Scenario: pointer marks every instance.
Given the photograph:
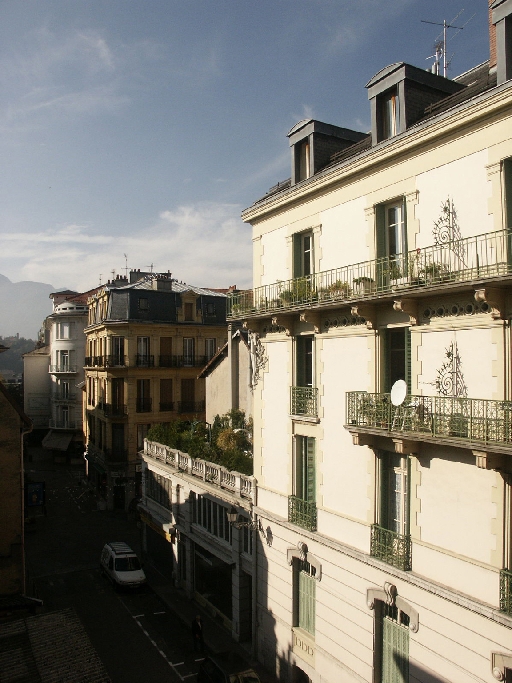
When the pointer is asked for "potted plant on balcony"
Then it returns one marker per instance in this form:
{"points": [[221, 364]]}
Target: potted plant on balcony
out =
{"points": [[300, 291], [364, 285], [340, 290], [434, 272]]}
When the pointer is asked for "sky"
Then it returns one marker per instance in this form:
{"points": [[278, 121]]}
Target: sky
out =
{"points": [[134, 132]]}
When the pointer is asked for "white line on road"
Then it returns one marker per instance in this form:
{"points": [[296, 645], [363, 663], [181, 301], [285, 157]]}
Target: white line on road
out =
{"points": [[178, 663], [188, 676], [182, 678], [159, 612], [137, 616]]}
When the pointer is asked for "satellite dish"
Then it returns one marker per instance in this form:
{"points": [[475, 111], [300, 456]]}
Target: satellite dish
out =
{"points": [[398, 392]]}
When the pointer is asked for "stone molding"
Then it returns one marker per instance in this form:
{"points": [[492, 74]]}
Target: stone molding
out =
{"points": [[302, 553], [389, 595], [499, 662]]}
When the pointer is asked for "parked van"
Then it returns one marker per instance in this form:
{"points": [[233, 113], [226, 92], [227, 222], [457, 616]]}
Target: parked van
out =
{"points": [[121, 565]]}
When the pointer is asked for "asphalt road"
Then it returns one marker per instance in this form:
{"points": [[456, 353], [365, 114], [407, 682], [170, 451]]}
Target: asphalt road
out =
{"points": [[137, 636]]}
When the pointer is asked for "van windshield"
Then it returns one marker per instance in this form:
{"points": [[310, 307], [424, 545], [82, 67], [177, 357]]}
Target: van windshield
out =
{"points": [[127, 564]]}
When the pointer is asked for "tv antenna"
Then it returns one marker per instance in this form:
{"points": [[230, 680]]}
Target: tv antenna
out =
{"points": [[150, 267], [113, 271], [440, 46], [126, 265]]}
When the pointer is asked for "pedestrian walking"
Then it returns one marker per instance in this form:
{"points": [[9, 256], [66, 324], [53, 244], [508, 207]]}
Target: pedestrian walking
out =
{"points": [[197, 634]]}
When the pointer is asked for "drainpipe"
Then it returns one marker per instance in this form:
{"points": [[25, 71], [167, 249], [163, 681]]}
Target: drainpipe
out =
{"points": [[230, 367]]}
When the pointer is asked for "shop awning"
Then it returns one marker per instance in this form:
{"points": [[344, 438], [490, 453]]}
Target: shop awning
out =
{"points": [[156, 522], [57, 441]]}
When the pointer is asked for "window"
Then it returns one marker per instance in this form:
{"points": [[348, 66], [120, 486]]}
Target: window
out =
{"points": [[143, 304], [304, 361], [389, 114], [210, 347], [209, 310], [391, 243], [188, 351], [159, 489], [118, 448], [64, 330], [166, 394], [390, 539], [144, 359], [189, 312], [303, 254], [211, 516], [302, 160], [63, 360], [396, 357], [117, 350], [302, 504], [117, 396], [305, 595], [64, 390], [165, 352], [392, 637], [188, 396], [143, 396]]}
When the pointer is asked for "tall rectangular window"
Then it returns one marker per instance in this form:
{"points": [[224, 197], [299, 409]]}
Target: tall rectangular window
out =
{"points": [[304, 483], [304, 361], [394, 494], [142, 432], [396, 357], [391, 243], [117, 350], [389, 114], [117, 398], [392, 637], [188, 351], [210, 347], [188, 396], [165, 352], [143, 396], [303, 262], [305, 596], [302, 160], [189, 312], [166, 394]]}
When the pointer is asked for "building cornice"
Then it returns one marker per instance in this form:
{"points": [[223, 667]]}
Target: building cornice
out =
{"points": [[421, 134]]}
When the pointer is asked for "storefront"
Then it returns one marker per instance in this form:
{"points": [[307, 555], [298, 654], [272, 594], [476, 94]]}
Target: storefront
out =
{"points": [[213, 582]]}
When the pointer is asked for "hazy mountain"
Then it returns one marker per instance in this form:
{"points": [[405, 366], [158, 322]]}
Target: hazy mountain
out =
{"points": [[23, 307]]}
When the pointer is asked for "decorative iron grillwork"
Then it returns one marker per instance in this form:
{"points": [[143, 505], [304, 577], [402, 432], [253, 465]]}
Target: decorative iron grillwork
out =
{"points": [[471, 419], [446, 230], [506, 591], [302, 513], [391, 547], [450, 378], [304, 401], [454, 260]]}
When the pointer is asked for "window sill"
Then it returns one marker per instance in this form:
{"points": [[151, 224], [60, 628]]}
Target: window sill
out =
{"points": [[306, 418]]}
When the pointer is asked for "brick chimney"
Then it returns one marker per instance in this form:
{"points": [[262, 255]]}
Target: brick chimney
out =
{"points": [[492, 39]]}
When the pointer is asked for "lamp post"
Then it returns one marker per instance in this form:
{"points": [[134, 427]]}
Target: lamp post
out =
{"points": [[233, 520]]}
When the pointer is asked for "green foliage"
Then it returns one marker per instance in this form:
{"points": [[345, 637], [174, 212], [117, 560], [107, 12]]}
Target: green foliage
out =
{"points": [[11, 361], [227, 443]]}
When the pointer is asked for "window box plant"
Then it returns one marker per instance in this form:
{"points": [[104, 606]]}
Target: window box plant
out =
{"points": [[364, 285]]}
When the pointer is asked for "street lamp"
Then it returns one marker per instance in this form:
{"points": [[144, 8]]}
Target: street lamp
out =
{"points": [[233, 520]]}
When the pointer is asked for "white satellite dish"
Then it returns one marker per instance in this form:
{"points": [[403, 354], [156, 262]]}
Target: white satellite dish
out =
{"points": [[398, 392]]}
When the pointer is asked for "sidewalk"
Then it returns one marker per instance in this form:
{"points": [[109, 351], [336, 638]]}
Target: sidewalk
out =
{"points": [[216, 638]]}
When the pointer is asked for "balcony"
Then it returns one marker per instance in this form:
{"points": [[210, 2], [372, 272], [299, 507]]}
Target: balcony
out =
{"points": [[60, 397], [471, 421], [304, 401], [506, 591], [166, 406], [143, 405], [65, 424], [461, 261], [114, 410], [144, 361], [62, 368], [111, 361], [191, 361], [302, 513], [391, 547], [190, 406]]}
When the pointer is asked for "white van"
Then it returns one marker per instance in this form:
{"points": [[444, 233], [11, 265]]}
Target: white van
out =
{"points": [[121, 565]]}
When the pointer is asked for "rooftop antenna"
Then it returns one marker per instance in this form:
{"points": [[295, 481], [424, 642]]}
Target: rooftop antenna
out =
{"points": [[440, 47], [100, 277], [113, 271], [151, 267], [126, 265]]}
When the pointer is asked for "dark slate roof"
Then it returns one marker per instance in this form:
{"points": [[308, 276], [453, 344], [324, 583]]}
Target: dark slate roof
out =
{"points": [[180, 287], [477, 80], [49, 648]]}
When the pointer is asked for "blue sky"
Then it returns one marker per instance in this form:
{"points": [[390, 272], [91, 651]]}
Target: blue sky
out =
{"points": [[145, 127]]}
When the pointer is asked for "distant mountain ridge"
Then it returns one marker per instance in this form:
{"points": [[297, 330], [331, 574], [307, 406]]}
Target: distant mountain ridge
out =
{"points": [[23, 306]]}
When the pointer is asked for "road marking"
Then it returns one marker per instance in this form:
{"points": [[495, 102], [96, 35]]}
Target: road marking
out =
{"points": [[179, 664], [137, 616], [159, 612], [199, 660], [188, 676]]}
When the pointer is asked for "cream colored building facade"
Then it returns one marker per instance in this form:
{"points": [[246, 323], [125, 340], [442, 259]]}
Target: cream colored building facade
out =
{"points": [[146, 341], [385, 550]]}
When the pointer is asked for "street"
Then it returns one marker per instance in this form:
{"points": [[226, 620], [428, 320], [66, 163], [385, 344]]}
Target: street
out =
{"points": [[136, 634]]}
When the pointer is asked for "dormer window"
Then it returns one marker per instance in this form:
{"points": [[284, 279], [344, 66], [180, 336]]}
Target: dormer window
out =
{"points": [[389, 114], [302, 160]]}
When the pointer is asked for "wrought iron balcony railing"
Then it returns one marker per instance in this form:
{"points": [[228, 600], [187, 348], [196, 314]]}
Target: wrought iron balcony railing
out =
{"points": [[190, 361], [115, 410], [471, 419], [143, 405], [304, 401], [191, 406], [472, 258], [391, 547], [302, 513], [506, 591], [64, 424], [144, 361], [63, 367], [60, 397], [165, 406], [114, 361]]}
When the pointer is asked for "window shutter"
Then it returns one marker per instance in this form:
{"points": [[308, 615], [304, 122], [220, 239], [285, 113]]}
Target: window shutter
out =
{"points": [[297, 255], [408, 359], [311, 473], [307, 597], [384, 490], [384, 360], [507, 187]]}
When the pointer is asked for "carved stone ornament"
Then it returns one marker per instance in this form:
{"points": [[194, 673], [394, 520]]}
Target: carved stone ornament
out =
{"points": [[488, 461], [499, 662], [302, 554], [494, 298], [409, 307], [389, 595], [285, 322], [258, 358], [366, 311], [312, 319]]}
